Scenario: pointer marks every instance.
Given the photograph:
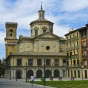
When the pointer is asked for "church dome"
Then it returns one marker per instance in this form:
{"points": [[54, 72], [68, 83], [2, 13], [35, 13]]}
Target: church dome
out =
{"points": [[41, 18], [41, 25]]}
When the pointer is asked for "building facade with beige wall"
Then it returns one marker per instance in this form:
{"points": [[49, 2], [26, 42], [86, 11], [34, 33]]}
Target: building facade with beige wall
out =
{"points": [[28, 54]]}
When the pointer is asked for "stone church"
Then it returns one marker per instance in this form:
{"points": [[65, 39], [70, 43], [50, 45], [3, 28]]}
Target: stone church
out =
{"points": [[26, 56]]}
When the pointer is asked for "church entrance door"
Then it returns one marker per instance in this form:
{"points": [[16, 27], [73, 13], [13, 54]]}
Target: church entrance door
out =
{"points": [[47, 73], [56, 73], [39, 74], [18, 74], [29, 73]]}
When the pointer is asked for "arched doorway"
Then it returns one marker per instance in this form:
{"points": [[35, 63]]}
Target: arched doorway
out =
{"points": [[39, 73], [19, 74], [47, 73], [29, 73], [56, 73]]}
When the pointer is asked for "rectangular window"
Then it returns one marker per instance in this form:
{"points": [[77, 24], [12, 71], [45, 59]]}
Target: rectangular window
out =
{"points": [[39, 62], [47, 62], [56, 62], [84, 53], [78, 62], [78, 73], [64, 62], [67, 63], [70, 54], [85, 74], [75, 74], [19, 62], [85, 63], [84, 34], [84, 44], [11, 34], [74, 62], [77, 34], [30, 62]]}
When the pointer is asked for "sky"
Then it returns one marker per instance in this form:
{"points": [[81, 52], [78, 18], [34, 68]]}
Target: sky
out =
{"points": [[66, 14]]}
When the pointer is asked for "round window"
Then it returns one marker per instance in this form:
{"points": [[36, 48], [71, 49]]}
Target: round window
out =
{"points": [[47, 47]]}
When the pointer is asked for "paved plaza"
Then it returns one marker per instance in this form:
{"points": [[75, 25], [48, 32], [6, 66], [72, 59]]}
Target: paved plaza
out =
{"points": [[4, 83]]}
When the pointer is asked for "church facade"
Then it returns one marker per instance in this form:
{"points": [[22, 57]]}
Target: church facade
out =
{"points": [[30, 56]]}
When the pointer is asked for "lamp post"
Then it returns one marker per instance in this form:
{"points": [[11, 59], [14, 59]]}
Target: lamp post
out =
{"points": [[10, 72], [16, 74], [52, 76], [52, 71], [26, 72], [44, 72]]}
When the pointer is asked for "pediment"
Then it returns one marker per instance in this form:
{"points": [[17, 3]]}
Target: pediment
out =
{"points": [[48, 35]]}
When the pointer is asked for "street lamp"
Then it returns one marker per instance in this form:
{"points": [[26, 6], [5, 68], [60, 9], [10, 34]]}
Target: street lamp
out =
{"points": [[26, 72], [52, 71], [16, 74], [10, 72]]}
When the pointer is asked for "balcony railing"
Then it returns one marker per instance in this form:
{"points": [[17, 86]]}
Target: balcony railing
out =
{"points": [[85, 57], [74, 65], [84, 47]]}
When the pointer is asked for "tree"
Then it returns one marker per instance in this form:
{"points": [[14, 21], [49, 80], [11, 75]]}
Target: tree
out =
{"points": [[2, 67]]}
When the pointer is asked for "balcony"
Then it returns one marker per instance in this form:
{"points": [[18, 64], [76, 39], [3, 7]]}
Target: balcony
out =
{"points": [[73, 57], [76, 56], [84, 47], [76, 38], [76, 47], [74, 65], [68, 49], [85, 57], [73, 48]]}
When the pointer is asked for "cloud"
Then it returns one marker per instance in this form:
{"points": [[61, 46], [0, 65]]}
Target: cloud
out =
{"points": [[64, 13], [24, 11], [61, 30], [74, 5], [2, 36]]}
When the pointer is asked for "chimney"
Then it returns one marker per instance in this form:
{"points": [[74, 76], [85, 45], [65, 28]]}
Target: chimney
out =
{"points": [[86, 25], [70, 30]]}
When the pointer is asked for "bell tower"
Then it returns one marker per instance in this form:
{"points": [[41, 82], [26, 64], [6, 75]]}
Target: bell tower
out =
{"points": [[11, 38]]}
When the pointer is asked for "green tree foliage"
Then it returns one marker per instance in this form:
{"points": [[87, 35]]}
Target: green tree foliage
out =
{"points": [[2, 67]]}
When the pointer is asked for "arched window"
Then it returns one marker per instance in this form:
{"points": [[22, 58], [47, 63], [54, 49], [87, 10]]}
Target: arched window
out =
{"points": [[11, 32], [39, 73], [30, 73], [47, 73], [44, 29], [36, 31], [40, 15], [56, 73]]}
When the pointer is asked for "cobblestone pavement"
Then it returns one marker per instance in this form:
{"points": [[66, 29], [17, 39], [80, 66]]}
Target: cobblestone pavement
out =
{"points": [[4, 83]]}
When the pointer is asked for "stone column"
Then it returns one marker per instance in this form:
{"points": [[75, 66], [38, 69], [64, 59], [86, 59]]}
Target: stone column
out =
{"points": [[34, 71], [24, 74]]}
